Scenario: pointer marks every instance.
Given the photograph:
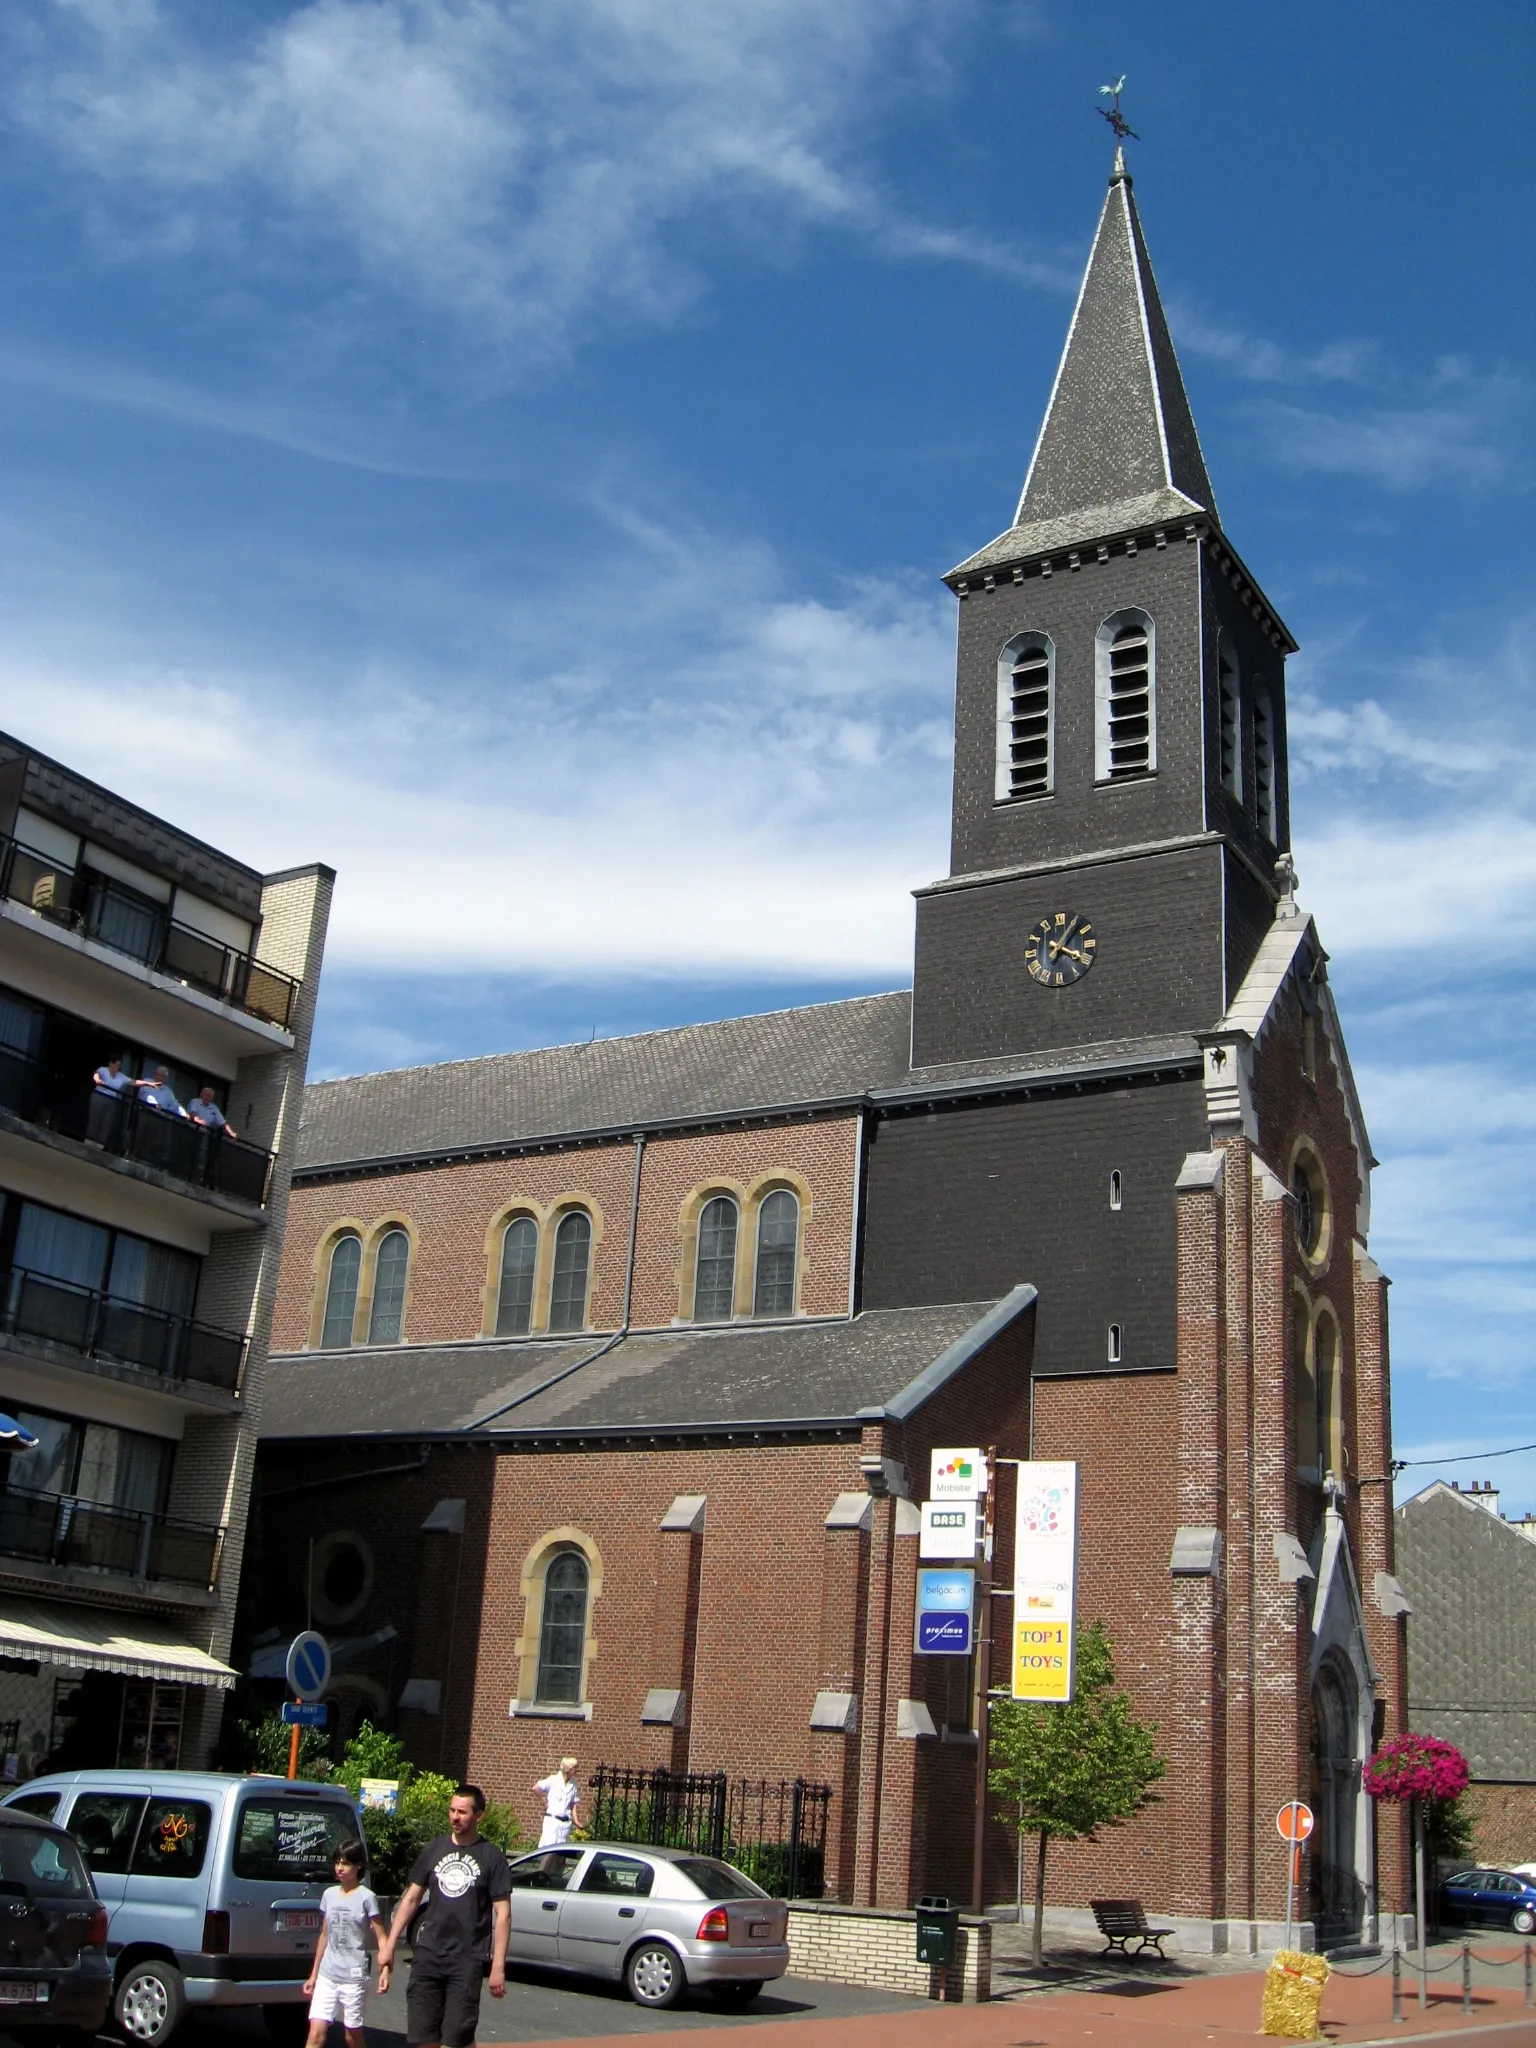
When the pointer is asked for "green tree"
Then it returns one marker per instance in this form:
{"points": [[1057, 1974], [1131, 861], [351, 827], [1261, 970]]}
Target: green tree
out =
{"points": [[1070, 1770], [263, 1746]]}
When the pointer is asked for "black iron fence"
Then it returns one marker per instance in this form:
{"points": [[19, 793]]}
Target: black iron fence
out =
{"points": [[124, 1332], [52, 1528], [772, 1829], [104, 910], [131, 1128]]}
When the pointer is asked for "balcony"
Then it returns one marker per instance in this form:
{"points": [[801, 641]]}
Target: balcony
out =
{"points": [[103, 910], [86, 1535], [129, 1128], [174, 1349]]}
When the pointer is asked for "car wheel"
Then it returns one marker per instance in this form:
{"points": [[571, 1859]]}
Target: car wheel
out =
{"points": [[654, 1974], [1523, 1920], [736, 1994], [150, 2002]]}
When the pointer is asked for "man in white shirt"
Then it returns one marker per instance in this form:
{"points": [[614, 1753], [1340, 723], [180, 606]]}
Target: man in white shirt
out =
{"points": [[205, 1111], [561, 1798]]}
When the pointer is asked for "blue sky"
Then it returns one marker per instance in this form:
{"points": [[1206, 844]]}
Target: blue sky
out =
{"points": [[508, 451]]}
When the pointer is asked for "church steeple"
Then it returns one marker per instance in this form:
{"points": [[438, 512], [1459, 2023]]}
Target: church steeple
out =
{"points": [[1118, 447]]}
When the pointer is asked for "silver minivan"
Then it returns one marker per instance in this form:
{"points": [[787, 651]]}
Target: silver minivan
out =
{"points": [[212, 1886]]}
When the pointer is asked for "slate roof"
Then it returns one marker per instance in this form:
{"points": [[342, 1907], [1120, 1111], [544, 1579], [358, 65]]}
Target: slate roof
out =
{"points": [[798, 1374], [825, 1052], [1118, 449], [1472, 1634]]}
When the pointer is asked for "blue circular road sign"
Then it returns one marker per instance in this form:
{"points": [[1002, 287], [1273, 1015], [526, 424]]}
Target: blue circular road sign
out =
{"points": [[309, 1665]]}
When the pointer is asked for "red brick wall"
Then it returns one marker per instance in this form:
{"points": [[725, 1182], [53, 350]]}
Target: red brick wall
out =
{"points": [[451, 1208]]}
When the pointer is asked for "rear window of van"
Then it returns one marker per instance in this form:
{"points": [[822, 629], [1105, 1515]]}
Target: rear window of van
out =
{"points": [[292, 1840]]}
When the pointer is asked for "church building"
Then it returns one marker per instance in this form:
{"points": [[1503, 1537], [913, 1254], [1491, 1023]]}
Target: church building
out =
{"points": [[605, 1377]]}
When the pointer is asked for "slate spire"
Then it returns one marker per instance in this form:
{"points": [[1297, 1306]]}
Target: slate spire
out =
{"points": [[1118, 425], [1118, 446]]}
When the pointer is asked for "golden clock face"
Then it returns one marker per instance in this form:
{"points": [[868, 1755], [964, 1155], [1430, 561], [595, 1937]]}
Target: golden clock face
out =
{"points": [[1060, 949]]}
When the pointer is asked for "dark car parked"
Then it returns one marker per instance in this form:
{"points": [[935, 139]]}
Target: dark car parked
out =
{"points": [[53, 1931], [1489, 1898]]}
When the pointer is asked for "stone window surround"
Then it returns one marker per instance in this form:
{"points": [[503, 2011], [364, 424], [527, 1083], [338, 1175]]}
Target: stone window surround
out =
{"points": [[749, 1197], [546, 1217]]}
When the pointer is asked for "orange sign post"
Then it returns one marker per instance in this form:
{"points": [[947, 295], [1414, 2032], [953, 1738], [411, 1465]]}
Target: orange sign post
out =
{"points": [[1294, 1822]]}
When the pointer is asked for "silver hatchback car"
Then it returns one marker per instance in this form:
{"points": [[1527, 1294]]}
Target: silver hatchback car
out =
{"points": [[657, 1920]]}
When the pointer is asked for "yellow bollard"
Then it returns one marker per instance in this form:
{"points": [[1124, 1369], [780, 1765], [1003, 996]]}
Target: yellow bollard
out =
{"points": [[1293, 1995]]}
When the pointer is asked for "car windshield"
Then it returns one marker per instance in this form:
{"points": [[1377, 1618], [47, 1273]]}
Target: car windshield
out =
{"points": [[43, 1865], [291, 1841], [718, 1880]]}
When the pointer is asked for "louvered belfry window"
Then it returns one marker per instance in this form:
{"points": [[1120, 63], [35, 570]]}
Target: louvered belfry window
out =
{"points": [[1264, 769], [1125, 698], [1026, 703], [1231, 725]]}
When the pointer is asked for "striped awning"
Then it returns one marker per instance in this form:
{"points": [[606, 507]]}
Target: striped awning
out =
{"points": [[93, 1639]]}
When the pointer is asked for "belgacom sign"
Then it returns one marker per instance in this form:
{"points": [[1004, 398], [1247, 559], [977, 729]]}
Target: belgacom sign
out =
{"points": [[1044, 1581]]}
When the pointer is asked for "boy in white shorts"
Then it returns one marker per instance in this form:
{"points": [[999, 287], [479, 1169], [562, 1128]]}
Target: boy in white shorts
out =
{"points": [[338, 1983]]}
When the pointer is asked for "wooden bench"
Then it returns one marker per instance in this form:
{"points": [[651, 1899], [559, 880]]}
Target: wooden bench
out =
{"points": [[1122, 1920]]}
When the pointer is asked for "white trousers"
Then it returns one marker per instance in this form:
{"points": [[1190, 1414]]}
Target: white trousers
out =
{"points": [[554, 1831]]}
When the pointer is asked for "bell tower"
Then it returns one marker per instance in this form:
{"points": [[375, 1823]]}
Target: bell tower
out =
{"points": [[1120, 797]]}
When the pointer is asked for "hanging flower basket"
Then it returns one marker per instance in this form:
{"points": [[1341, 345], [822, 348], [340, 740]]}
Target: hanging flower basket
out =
{"points": [[1416, 1767]]}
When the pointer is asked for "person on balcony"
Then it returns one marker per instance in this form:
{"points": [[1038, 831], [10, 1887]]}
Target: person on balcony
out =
{"points": [[205, 1111], [159, 1094], [111, 1087]]}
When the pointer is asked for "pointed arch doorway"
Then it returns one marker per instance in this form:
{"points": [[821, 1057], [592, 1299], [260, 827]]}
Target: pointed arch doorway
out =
{"points": [[1338, 1881]]}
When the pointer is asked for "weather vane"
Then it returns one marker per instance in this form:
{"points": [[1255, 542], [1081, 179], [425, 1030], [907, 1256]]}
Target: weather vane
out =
{"points": [[1112, 113]]}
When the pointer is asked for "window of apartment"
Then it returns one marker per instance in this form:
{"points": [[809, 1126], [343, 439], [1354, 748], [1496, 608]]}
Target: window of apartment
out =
{"points": [[52, 1246], [122, 1468], [778, 1254], [1125, 697], [390, 1265], [568, 1283], [519, 1258], [122, 918], [1026, 708], [1264, 769], [714, 1282], [563, 1628], [341, 1293], [1231, 723]]}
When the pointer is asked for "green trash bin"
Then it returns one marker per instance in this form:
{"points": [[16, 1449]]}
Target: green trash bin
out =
{"points": [[938, 1923]]}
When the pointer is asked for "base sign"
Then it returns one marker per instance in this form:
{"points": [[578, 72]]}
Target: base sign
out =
{"points": [[948, 1531], [946, 1607], [1045, 1581]]}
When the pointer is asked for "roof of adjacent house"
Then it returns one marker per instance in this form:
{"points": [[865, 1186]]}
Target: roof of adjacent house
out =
{"points": [[739, 1377], [1471, 1579]]}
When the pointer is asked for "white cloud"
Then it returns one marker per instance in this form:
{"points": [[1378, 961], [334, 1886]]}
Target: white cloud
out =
{"points": [[518, 167], [1364, 738], [1456, 429], [762, 804]]}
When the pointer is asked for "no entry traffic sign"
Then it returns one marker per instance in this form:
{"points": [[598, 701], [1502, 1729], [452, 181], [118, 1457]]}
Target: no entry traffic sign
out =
{"points": [[1294, 1821]]}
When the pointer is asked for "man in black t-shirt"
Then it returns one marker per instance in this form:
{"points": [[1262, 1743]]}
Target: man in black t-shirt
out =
{"points": [[460, 1940]]}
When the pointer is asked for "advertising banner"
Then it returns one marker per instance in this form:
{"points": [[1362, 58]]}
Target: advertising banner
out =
{"points": [[957, 1475], [1044, 1581], [949, 1530], [946, 1607]]}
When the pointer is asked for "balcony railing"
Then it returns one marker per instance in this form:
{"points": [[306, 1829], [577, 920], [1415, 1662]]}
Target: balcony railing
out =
{"points": [[121, 1332], [103, 910], [133, 1129], [54, 1528]]}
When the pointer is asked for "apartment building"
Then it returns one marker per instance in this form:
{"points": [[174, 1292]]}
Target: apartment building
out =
{"points": [[138, 1254]]}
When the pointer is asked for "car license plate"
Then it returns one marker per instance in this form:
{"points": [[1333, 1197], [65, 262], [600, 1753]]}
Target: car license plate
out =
{"points": [[22, 1993], [760, 1930], [298, 1923]]}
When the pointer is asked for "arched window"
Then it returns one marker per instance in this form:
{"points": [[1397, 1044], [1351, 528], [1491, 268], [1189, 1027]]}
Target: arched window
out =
{"points": [[563, 1628], [1264, 769], [1231, 723], [1026, 720], [573, 1259], [341, 1293], [1330, 1419], [391, 1262], [1125, 697], [1307, 1464], [778, 1254], [714, 1278], [519, 1256]]}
